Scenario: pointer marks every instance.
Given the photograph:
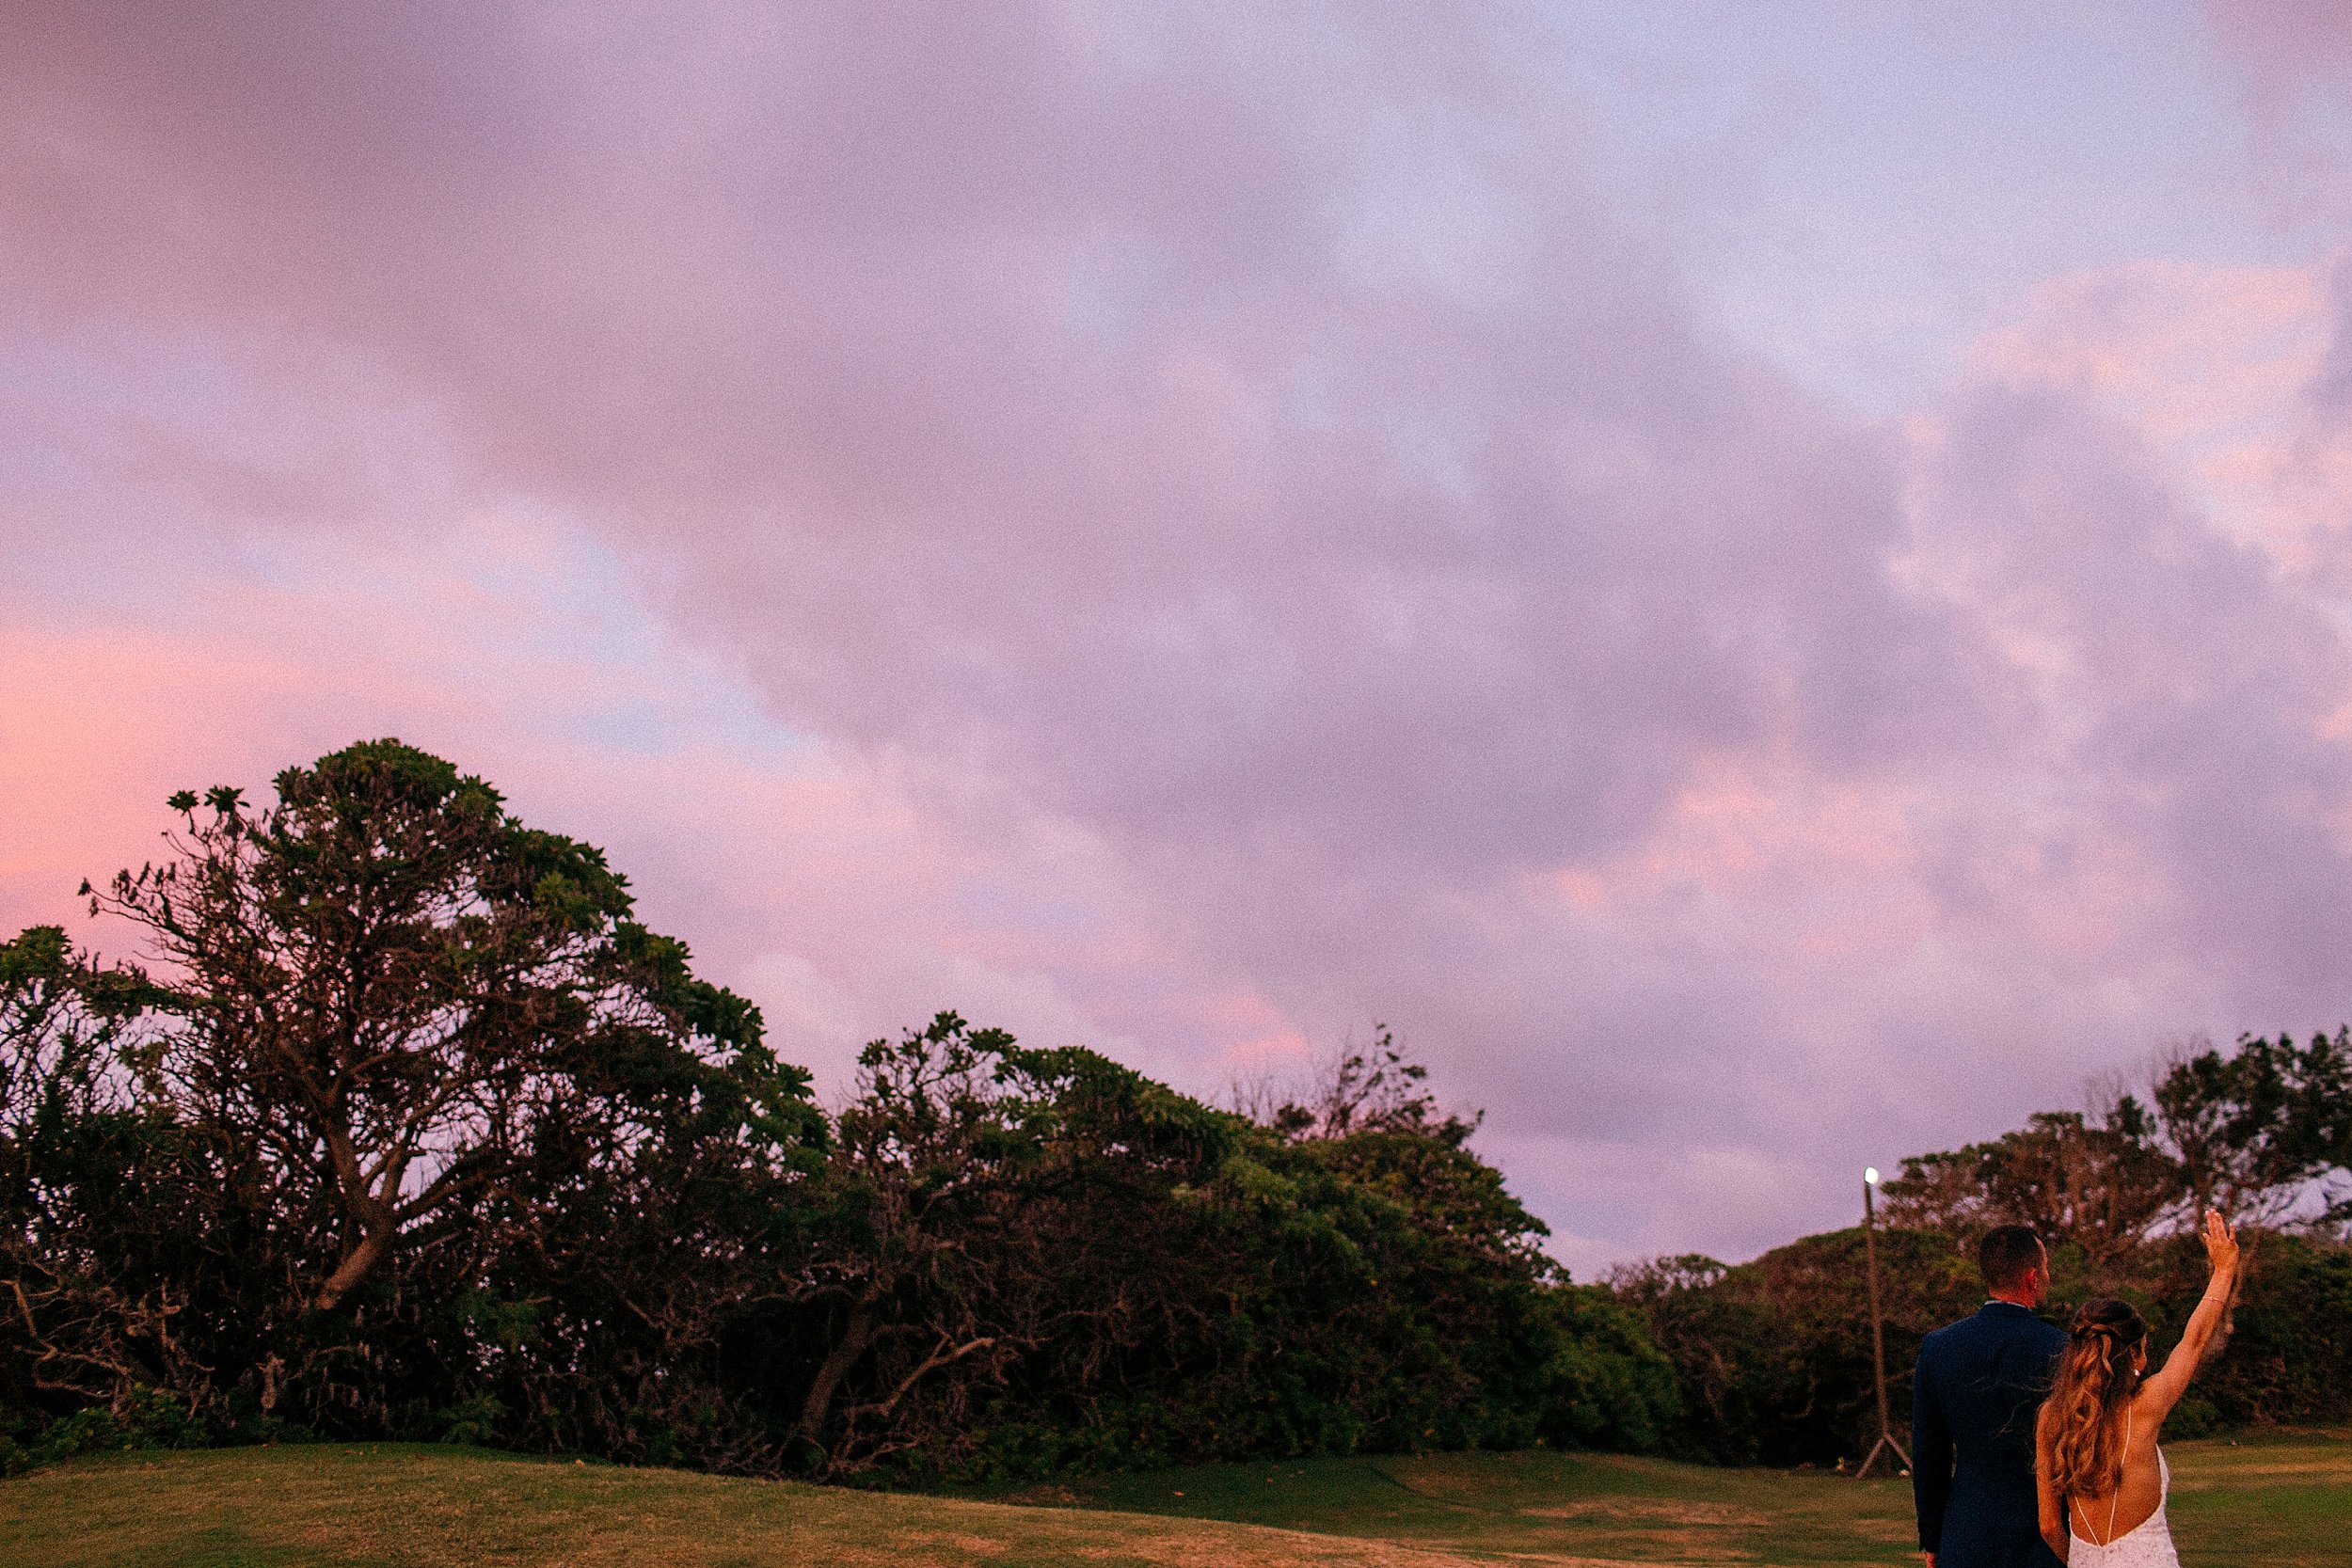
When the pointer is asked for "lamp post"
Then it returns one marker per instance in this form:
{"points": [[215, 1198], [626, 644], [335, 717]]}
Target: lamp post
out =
{"points": [[1877, 1326]]}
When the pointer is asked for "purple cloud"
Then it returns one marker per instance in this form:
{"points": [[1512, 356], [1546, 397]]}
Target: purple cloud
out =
{"points": [[1270, 530]]}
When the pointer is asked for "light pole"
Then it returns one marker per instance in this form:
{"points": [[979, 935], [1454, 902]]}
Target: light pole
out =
{"points": [[1878, 1326]]}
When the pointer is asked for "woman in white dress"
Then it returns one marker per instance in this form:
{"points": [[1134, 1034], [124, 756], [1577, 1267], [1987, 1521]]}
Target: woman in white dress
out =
{"points": [[2100, 1476]]}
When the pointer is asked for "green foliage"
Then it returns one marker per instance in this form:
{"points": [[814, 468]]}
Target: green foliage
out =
{"points": [[476, 1421], [2247, 1131], [389, 1136], [2289, 1359], [143, 1418], [1773, 1357], [414, 1132], [1604, 1384], [2260, 1134], [2102, 1186], [1052, 1262]]}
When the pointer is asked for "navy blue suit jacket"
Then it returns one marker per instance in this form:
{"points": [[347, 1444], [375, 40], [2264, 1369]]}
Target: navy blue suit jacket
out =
{"points": [[1973, 1402]]}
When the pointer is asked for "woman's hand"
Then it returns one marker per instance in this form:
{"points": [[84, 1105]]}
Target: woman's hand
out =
{"points": [[2160, 1393], [2220, 1243]]}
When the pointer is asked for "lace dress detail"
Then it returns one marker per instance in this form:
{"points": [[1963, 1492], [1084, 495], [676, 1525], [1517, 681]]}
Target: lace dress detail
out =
{"points": [[2146, 1545]]}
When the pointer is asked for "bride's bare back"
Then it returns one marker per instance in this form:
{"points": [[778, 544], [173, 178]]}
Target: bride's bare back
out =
{"points": [[2135, 1500], [2102, 1518]]}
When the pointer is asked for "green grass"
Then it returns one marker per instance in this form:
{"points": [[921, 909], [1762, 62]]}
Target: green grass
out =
{"points": [[2276, 1502], [2272, 1501], [390, 1506], [1538, 1504]]}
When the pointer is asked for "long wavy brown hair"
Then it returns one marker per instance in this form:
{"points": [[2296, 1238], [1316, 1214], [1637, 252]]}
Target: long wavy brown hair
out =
{"points": [[2096, 1378]]}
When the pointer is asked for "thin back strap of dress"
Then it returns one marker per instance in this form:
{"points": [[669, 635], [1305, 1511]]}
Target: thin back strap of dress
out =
{"points": [[2116, 1495]]}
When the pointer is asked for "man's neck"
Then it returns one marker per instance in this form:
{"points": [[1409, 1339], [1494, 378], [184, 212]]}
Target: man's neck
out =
{"points": [[2010, 1301]]}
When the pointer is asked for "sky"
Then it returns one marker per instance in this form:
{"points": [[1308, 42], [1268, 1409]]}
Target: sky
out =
{"points": [[1770, 587]]}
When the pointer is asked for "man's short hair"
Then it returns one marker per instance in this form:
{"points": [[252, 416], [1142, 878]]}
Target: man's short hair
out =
{"points": [[2006, 1253]]}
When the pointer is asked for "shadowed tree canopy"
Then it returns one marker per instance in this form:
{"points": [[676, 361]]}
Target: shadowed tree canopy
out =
{"points": [[2101, 1185], [2260, 1130], [1774, 1354], [390, 997], [403, 1125], [2259, 1133]]}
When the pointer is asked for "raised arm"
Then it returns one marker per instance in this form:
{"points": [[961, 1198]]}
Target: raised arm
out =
{"points": [[2160, 1393]]}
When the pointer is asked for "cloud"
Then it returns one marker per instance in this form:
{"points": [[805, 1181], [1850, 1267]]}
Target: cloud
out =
{"points": [[2290, 59], [802, 878], [1195, 528], [2287, 37]]}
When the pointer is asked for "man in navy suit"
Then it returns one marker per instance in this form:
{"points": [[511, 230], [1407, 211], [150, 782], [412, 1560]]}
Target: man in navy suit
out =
{"points": [[1973, 1401]]}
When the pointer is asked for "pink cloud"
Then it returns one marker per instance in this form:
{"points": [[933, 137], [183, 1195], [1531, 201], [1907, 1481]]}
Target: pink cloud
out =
{"points": [[2288, 37], [1192, 528], [810, 882]]}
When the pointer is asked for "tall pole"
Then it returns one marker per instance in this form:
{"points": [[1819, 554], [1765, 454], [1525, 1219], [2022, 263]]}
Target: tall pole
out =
{"points": [[1877, 1326], [1877, 1314]]}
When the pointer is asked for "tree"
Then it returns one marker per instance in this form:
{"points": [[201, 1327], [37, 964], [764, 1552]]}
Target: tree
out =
{"points": [[106, 1208], [1771, 1360], [388, 990], [1002, 1210], [1040, 1259], [2255, 1133], [405, 1126], [1375, 1089], [2099, 1184], [2252, 1131]]}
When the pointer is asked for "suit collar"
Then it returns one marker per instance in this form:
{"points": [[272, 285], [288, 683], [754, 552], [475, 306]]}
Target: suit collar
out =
{"points": [[2004, 1308]]}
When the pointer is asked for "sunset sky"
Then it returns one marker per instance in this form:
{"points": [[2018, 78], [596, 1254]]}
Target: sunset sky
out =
{"points": [[1768, 584]]}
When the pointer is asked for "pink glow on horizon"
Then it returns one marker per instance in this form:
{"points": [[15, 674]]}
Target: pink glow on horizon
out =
{"points": [[1197, 529]]}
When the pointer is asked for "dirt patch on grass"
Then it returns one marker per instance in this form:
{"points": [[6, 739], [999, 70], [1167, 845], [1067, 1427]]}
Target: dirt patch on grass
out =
{"points": [[2263, 1467], [1644, 1512], [1212, 1545]]}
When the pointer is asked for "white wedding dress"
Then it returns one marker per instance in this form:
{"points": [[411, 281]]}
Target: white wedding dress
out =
{"points": [[2146, 1545]]}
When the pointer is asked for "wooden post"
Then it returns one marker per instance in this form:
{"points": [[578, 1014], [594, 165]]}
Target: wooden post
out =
{"points": [[1878, 1329]]}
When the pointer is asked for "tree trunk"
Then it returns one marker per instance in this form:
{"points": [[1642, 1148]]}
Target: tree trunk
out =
{"points": [[355, 1267], [837, 1365]]}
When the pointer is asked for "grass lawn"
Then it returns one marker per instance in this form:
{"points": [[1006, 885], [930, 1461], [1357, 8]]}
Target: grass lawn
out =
{"points": [[2276, 1502], [420, 1507], [2268, 1501]]}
